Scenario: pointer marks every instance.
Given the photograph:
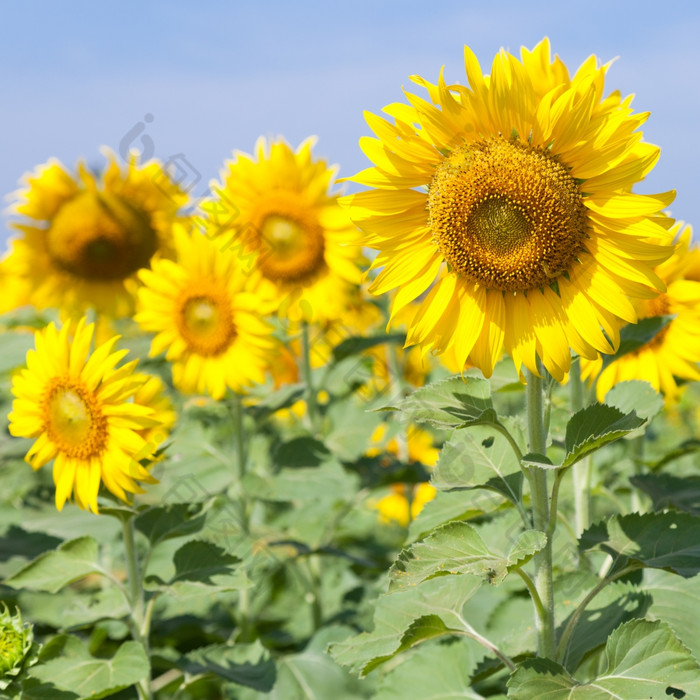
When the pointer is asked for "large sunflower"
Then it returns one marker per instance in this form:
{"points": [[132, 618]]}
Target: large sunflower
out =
{"points": [[277, 212], [81, 411], [674, 352], [515, 195], [84, 237], [210, 327]]}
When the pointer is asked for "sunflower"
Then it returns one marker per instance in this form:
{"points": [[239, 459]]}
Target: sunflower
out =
{"points": [[277, 212], [674, 352], [208, 325], [509, 202], [84, 237], [81, 411]]}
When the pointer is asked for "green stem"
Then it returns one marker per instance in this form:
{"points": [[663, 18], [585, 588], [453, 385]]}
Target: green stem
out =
{"points": [[311, 403], [243, 620], [562, 647], [636, 500], [544, 616], [136, 597], [581, 470]]}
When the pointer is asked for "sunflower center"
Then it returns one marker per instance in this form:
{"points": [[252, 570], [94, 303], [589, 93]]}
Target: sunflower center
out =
{"points": [[205, 320], [292, 247], [101, 237], [73, 419], [506, 215]]}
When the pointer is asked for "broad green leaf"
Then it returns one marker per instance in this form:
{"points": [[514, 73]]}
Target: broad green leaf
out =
{"points": [[667, 491], [669, 541], [442, 597], [449, 403], [73, 668], [200, 564], [454, 505], [358, 344], [457, 548], [245, 664], [479, 457], [72, 608], [53, 570], [433, 672], [635, 335], [34, 689], [675, 601], [595, 426], [635, 395], [313, 675], [159, 523], [645, 660]]}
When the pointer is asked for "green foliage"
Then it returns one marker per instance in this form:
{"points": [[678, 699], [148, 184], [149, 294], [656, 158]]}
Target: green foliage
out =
{"points": [[644, 659], [669, 541], [53, 570], [453, 402], [67, 664], [456, 548], [595, 426]]}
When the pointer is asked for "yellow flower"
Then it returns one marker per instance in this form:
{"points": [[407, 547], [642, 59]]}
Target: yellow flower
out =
{"points": [[277, 214], [210, 328], [510, 201], [674, 352], [405, 501], [84, 237], [81, 411]]}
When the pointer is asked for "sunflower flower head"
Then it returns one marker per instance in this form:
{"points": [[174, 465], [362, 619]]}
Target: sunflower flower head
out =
{"points": [[79, 408], [674, 352], [277, 211], [204, 318], [84, 237], [507, 208]]}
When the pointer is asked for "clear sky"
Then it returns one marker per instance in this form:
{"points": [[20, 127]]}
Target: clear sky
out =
{"points": [[215, 75]]}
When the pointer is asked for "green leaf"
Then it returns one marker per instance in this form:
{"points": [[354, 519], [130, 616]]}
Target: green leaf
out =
{"points": [[272, 401], [666, 491], [395, 613], [595, 426], [245, 664], [433, 672], [358, 344], [638, 396], [457, 548], [53, 570], [201, 564], [669, 541], [675, 601], [73, 668], [453, 505], [479, 457], [160, 523], [644, 660], [635, 335], [458, 401], [313, 675]]}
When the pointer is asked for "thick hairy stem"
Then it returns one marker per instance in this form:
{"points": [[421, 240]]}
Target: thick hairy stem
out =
{"points": [[544, 615], [311, 403], [581, 471]]}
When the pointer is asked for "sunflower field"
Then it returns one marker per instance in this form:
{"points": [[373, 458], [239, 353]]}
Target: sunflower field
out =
{"points": [[425, 433]]}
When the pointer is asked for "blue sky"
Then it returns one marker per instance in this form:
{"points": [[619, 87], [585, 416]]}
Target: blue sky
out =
{"points": [[216, 75]]}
